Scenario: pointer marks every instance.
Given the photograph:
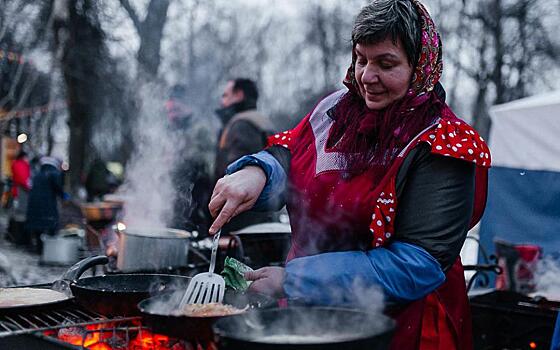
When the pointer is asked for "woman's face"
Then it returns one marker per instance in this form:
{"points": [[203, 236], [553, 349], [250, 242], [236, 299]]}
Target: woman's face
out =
{"points": [[382, 72]]}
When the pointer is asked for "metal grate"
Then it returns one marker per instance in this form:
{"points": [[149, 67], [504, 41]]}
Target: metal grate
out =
{"points": [[30, 322]]}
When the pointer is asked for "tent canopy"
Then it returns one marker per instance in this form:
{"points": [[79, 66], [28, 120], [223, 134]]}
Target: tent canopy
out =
{"points": [[524, 181]]}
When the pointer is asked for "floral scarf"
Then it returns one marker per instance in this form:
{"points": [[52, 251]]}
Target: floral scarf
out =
{"points": [[372, 139]]}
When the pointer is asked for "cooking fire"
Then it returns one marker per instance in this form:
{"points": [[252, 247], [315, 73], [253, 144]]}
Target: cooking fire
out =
{"points": [[118, 336]]}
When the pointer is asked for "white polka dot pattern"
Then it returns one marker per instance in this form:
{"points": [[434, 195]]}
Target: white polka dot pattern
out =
{"points": [[381, 225], [283, 139], [459, 140]]}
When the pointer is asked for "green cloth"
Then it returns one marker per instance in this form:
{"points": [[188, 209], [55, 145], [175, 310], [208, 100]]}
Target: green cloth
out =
{"points": [[233, 273]]}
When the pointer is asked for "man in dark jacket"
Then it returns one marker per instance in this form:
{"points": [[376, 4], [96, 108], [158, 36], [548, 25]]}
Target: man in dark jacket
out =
{"points": [[244, 131], [42, 208]]}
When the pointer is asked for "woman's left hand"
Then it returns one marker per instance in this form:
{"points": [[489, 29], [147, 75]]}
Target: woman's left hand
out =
{"points": [[267, 280]]}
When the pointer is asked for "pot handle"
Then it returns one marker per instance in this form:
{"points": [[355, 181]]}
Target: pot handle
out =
{"points": [[74, 273]]}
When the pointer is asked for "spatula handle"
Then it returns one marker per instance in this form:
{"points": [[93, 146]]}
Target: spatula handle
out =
{"points": [[214, 252]]}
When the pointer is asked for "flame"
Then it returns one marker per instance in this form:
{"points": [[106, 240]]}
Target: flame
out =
{"points": [[149, 340], [100, 346], [95, 337], [87, 337]]}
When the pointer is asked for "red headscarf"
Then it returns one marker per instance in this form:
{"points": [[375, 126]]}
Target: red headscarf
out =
{"points": [[374, 138]]}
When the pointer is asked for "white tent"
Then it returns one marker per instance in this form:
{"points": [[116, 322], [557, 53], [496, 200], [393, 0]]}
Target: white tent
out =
{"points": [[524, 182], [534, 124], [525, 146]]}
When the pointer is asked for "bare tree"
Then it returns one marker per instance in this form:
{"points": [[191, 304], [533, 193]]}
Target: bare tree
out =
{"points": [[505, 62], [150, 31]]}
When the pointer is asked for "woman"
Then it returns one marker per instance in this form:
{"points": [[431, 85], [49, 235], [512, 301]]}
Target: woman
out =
{"points": [[42, 208], [381, 185]]}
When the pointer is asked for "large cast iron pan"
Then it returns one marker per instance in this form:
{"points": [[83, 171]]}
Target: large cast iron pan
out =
{"points": [[109, 295], [118, 295], [158, 313], [307, 328]]}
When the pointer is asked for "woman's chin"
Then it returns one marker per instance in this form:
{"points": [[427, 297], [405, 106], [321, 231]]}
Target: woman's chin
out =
{"points": [[376, 105]]}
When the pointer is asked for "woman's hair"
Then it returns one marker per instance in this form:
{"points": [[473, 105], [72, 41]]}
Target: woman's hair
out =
{"points": [[395, 19]]}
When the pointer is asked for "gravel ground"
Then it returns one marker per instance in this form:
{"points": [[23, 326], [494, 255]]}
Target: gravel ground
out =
{"points": [[19, 266]]}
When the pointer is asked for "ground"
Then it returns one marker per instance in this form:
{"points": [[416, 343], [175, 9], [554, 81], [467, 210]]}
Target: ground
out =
{"points": [[19, 266]]}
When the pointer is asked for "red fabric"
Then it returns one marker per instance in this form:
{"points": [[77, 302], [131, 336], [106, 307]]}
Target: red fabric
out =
{"points": [[357, 198], [345, 214], [21, 172], [441, 320]]}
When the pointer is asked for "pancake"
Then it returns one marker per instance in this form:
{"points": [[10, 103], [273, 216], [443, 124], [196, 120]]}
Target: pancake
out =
{"points": [[14, 297]]}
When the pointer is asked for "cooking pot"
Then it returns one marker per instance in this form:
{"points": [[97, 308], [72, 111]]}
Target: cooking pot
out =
{"points": [[307, 328], [264, 244], [152, 249], [61, 249], [100, 211]]}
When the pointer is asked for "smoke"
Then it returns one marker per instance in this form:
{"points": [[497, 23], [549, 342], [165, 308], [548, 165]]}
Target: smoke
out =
{"points": [[148, 187]]}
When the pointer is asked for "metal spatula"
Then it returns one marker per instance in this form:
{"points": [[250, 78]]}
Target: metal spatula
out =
{"points": [[207, 287]]}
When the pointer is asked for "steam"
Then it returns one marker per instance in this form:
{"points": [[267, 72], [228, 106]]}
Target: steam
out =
{"points": [[7, 267], [305, 325], [148, 189], [164, 153], [548, 277]]}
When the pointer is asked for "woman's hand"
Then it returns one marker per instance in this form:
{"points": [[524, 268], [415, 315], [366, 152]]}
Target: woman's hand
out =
{"points": [[235, 194], [267, 280]]}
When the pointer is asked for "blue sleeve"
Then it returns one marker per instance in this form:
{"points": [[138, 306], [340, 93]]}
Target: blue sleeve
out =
{"points": [[272, 196], [556, 337], [404, 272]]}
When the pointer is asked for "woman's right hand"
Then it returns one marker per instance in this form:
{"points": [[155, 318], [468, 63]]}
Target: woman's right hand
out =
{"points": [[235, 194]]}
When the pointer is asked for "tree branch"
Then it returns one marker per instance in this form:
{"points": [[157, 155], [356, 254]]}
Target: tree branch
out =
{"points": [[132, 13]]}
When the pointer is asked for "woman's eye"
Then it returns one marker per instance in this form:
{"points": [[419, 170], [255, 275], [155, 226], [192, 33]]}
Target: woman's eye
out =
{"points": [[386, 65], [361, 61]]}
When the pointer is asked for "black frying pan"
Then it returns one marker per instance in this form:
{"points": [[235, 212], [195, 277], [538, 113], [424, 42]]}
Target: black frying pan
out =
{"points": [[109, 295], [118, 295], [307, 328], [62, 286], [158, 312]]}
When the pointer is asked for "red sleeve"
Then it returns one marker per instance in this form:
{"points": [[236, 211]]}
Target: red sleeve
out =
{"points": [[457, 139]]}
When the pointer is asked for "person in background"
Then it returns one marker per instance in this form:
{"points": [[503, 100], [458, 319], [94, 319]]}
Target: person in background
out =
{"points": [[42, 208], [382, 182], [244, 131], [99, 181], [179, 114], [190, 173], [21, 184]]}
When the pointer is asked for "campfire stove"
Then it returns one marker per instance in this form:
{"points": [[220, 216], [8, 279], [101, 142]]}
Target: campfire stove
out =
{"points": [[510, 320], [72, 327]]}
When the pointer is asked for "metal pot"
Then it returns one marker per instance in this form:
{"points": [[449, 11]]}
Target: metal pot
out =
{"points": [[60, 249], [152, 249]]}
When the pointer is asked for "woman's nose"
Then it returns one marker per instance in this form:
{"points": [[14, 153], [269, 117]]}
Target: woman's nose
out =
{"points": [[370, 75]]}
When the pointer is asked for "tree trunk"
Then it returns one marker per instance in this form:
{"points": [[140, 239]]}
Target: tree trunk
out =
{"points": [[81, 63], [151, 33]]}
